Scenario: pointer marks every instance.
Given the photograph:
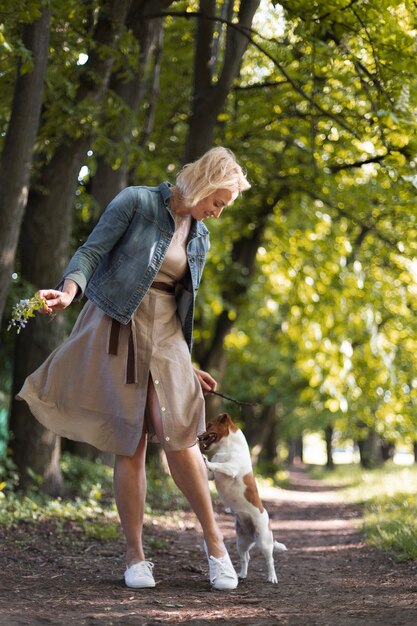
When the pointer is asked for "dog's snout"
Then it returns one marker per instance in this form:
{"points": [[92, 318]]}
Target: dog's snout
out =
{"points": [[206, 439]]}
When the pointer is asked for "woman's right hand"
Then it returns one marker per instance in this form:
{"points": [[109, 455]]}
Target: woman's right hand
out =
{"points": [[57, 300]]}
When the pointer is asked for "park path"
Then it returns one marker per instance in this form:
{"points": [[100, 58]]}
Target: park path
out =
{"points": [[328, 577]]}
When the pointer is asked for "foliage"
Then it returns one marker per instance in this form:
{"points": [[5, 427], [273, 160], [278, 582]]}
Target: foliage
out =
{"points": [[326, 327], [323, 118], [272, 475], [390, 525], [24, 310], [390, 504], [89, 499]]}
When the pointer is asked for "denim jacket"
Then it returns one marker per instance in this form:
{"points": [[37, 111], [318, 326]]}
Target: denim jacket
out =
{"points": [[117, 264]]}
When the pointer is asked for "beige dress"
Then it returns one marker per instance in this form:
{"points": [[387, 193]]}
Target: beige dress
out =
{"points": [[80, 391]]}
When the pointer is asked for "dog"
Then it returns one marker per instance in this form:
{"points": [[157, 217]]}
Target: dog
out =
{"points": [[231, 467]]}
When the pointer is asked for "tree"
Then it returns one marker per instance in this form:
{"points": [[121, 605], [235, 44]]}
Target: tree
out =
{"points": [[308, 300], [16, 156], [333, 253], [43, 263], [127, 90], [213, 76]]}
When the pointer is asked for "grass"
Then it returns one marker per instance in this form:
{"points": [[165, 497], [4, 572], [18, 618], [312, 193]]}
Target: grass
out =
{"points": [[389, 499], [388, 496], [89, 502]]}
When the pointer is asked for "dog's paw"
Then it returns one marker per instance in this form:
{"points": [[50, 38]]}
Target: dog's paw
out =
{"points": [[280, 547], [272, 578], [210, 473]]}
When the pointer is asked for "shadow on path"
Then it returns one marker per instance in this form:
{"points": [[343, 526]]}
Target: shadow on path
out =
{"points": [[328, 577]]}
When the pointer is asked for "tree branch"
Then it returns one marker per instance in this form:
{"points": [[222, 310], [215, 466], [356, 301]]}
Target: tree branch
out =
{"points": [[354, 220], [264, 85], [248, 32], [346, 166], [203, 58], [348, 6]]}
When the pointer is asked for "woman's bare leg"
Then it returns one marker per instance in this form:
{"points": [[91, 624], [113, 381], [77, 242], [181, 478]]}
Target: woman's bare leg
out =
{"points": [[190, 474], [130, 494]]}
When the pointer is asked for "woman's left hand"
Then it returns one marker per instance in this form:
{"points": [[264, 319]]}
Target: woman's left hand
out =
{"points": [[207, 382]]}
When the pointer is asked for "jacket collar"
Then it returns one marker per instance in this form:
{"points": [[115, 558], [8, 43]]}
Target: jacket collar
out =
{"points": [[197, 227], [166, 193]]}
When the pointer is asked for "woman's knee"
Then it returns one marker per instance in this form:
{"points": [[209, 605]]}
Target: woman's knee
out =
{"points": [[188, 459]]}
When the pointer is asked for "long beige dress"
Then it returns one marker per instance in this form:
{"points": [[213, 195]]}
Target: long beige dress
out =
{"points": [[80, 391]]}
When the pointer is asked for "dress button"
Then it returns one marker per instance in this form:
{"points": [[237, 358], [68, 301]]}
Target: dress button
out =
{"points": [[163, 408], [166, 438], [156, 382]]}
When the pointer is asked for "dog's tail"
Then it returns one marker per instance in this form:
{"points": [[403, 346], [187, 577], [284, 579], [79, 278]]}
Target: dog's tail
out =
{"points": [[280, 547]]}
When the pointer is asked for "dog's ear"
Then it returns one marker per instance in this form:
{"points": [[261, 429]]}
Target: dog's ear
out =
{"points": [[226, 419]]}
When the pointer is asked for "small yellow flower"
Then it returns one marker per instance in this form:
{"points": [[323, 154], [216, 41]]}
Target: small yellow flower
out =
{"points": [[25, 309]]}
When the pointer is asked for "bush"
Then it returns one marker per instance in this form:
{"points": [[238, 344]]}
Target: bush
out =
{"points": [[389, 500], [90, 496]]}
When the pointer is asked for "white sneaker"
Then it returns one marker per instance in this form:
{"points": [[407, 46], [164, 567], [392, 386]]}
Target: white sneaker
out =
{"points": [[221, 572], [139, 575]]}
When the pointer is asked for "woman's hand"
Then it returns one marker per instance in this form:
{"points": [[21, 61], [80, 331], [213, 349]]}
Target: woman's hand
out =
{"points": [[207, 382], [57, 300]]}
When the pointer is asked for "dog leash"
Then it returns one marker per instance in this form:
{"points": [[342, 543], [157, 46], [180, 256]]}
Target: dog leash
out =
{"points": [[222, 395]]}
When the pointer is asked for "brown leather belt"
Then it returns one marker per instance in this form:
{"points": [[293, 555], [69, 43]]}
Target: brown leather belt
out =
{"points": [[163, 287], [113, 346]]}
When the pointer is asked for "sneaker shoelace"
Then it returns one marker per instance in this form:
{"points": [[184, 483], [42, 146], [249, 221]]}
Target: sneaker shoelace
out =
{"points": [[222, 567], [148, 566], [145, 566]]}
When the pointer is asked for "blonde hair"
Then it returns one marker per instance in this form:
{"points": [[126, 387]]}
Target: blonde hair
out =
{"points": [[216, 169]]}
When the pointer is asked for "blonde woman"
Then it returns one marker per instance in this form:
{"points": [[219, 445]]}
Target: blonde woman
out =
{"points": [[125, 374]]}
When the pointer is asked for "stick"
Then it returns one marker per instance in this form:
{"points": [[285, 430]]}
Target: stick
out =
{"points": [[222, 395]]}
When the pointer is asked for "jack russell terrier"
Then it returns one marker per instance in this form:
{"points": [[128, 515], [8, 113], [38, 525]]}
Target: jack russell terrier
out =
{"points": [[230, 466]]}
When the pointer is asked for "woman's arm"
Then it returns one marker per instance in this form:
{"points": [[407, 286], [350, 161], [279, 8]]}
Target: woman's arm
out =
{"points": [[111, 226]]}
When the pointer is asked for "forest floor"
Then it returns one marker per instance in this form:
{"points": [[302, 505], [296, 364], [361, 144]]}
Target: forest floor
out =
{"points": [[328, 577]]}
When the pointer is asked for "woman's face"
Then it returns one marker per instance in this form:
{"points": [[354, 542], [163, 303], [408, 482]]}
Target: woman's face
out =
{"points": [[213, 205]]}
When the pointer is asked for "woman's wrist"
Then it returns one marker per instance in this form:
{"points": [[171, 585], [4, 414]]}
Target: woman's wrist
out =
{"points": [[71, 288]]}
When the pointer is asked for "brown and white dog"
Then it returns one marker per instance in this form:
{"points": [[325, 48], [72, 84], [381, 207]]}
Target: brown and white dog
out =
{"points": [[231, 467]]}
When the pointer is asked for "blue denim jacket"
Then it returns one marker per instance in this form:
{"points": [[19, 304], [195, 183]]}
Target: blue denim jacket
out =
{"points": [[117, 264]]}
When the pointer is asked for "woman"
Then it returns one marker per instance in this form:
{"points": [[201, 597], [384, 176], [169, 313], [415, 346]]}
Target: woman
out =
{"points": [[125, 375]]}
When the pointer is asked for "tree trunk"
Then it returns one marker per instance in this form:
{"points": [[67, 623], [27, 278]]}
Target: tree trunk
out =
{"points": [[35, 449], [153, 91], [295, 450], [370, 450], [268, 440], [16, 158], [328, 433], [208, 101], [108, 179], [387, 450], [209, 96], [46, 236], [240, 273]]}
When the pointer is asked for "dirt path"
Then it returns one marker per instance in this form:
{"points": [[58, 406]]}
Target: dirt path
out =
{"points": [[327, 578]]}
